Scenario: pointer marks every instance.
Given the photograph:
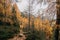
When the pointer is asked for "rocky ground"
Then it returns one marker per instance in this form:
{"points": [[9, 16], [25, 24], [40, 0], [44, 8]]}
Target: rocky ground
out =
{"points": [[19, 36]]}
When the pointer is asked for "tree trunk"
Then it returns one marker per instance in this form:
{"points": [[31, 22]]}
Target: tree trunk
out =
{"points": [[58, 20]]}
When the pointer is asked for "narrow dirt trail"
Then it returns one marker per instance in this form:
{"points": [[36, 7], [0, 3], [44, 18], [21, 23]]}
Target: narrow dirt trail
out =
{"points": [[19, 36]]}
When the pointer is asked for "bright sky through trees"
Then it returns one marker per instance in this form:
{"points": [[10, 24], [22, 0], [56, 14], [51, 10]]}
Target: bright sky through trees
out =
{"points": [[38, 6]]}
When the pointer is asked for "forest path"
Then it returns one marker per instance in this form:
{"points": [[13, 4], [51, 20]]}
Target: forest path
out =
{"points": [[19, 36]]}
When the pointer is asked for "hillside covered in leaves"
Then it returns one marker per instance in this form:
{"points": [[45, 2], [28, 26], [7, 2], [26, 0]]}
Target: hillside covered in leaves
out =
{"points": [[9, 25], [12, 21]]}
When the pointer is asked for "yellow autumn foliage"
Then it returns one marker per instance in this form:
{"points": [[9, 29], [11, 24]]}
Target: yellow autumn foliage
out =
{"points": [[36, 21]]}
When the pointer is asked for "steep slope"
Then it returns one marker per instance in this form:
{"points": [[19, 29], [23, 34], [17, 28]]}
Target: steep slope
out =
{"points": [[9, 25]]}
